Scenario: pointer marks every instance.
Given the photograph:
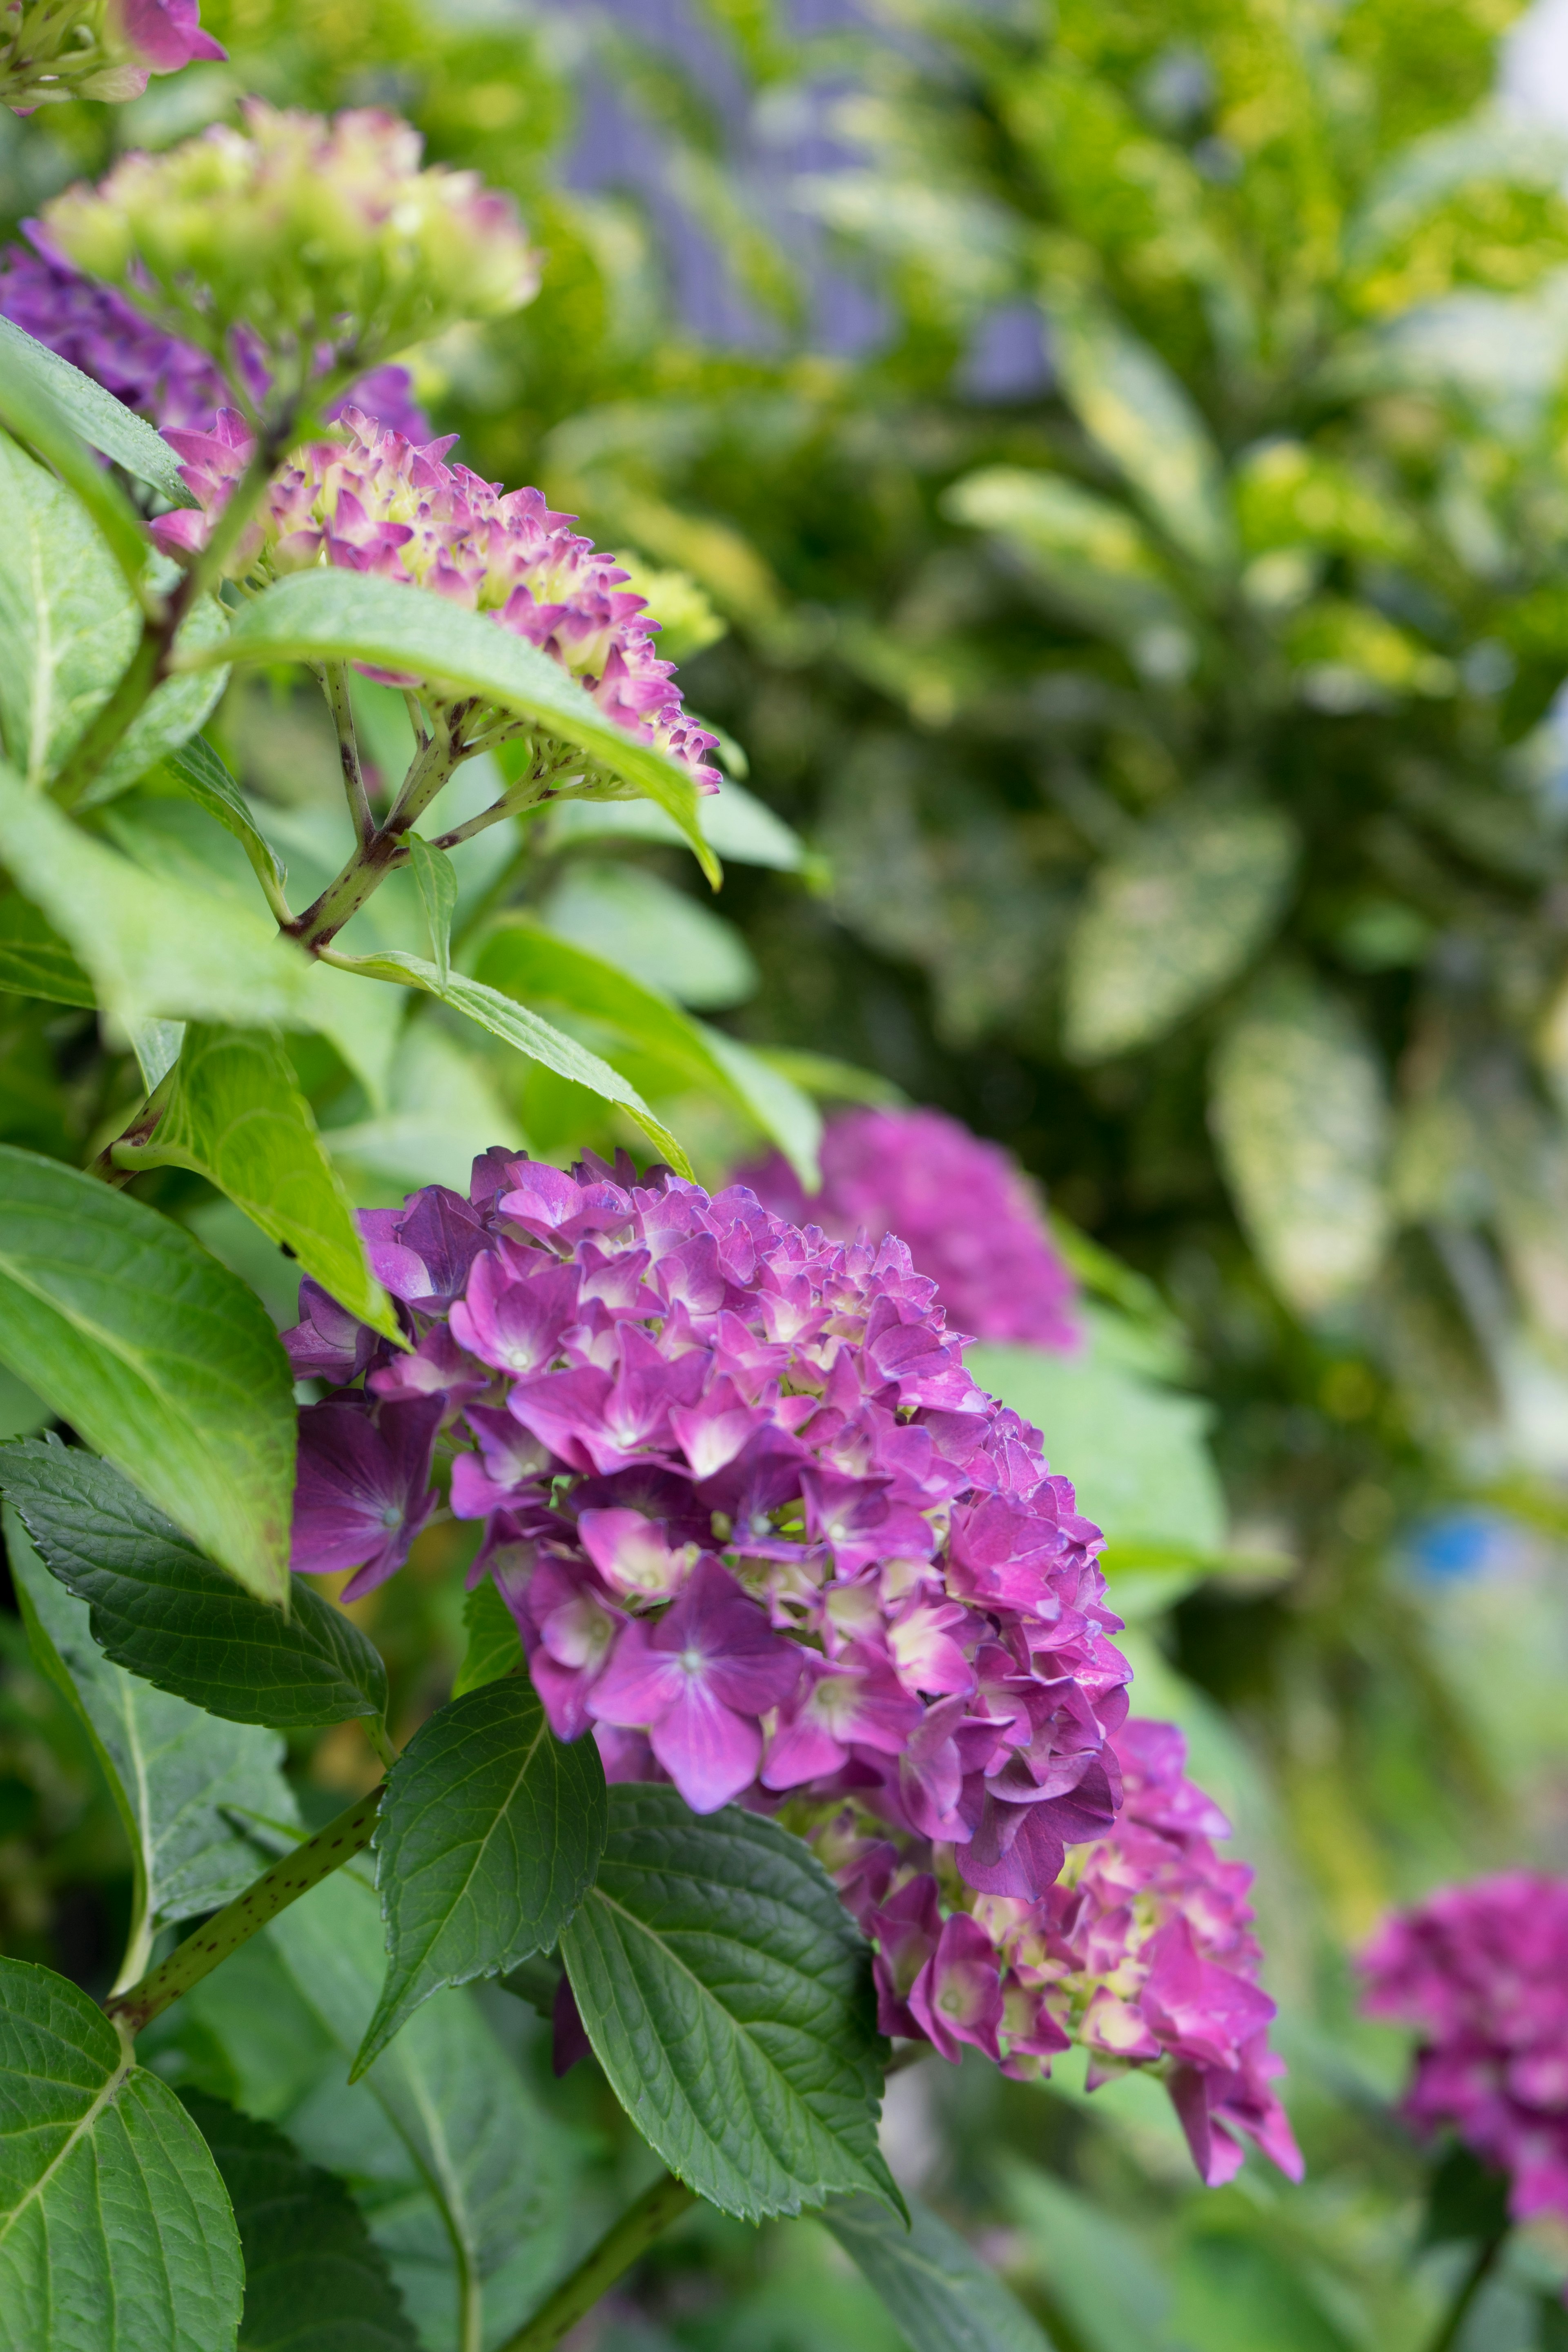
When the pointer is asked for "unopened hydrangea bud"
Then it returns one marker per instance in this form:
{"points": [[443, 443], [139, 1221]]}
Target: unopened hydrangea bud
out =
{"points": [[324, 241], [105, 49]]}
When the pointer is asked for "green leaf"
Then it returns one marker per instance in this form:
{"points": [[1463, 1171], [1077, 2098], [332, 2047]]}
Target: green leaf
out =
{"points": [[495, 1645], [67, 623], [34, 959], [534, 964], [199, 771], [315, 2281], [172, 1769], [102, 422], [114, 2225], [154, 947], [325, 614], [161, 1610], [32, 407], [831, 1080], [516, 1025], [727, 1994], [1300, 1109], [1169, 921], [165, 1362], [1096, 2271], [481, 2180], [1092, 560], [237, 1117], [487, 1841], [170, 716], [646, 927], [741, 828], [1140, 416], [932, 2281], [437, 879]]}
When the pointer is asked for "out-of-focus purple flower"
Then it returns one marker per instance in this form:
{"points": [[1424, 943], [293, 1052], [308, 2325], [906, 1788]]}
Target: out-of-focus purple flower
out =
{"points": [[165, 379], [51, 49], [1481, 1972], [363, 1486], [966, 1216], [165, 35], [382, 505]]}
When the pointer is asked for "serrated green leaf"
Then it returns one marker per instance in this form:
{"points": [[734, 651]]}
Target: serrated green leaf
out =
{"points": [[727, 1994], [153, 947], [932, 2281], [161, 1610], [1140, 416], [165, 1361], [315, 2280], [495, 1645], [1168, 922], [1300, 1109], [516, 1025], [436, 877], [532, 964], [39, 403], [237, 1117], [328, 615], [95, 415], [67, 621], [487, 1841], [172, 1769], [115, 2224], [34, 959]]}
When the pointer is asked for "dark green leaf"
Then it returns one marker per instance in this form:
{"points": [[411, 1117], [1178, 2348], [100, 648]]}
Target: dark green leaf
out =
{"points": [[237, 1117], [1467, 2200], [173, 1771], [933, 2282], [315, 2281], [101, 420], [165, 1361], [34, 959], [318, 615], [487, 1841], [495, 1645], [67, 621], [727, 1995], [161, 1610], [437, 879], [115, 2230]]}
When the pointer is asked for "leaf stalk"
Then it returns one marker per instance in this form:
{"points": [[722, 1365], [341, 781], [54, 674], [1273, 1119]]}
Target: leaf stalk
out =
{"points": [[622, 2245]]}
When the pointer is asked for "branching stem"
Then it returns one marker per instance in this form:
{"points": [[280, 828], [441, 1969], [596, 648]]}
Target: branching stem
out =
{"points": [[617, 2250]]}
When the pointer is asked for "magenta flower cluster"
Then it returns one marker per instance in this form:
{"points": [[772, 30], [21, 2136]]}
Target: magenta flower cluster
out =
{"points": [[971, 1224], [170, 382], [1481, 1973], [378, 503]]}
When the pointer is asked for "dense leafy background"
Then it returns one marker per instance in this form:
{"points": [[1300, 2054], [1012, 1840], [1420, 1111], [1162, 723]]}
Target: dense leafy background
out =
{"points": [[1126, 535]]}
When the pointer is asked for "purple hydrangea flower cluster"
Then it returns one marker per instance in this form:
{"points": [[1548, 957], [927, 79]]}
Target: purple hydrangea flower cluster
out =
{"points": [[104, 49], [1481, 1973], [165, 379], [379, 503], [971, 1224], [759, 1529], [1141, 1951]]}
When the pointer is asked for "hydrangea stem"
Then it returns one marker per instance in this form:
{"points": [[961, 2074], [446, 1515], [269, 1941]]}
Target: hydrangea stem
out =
{"points": [[616, 2252], [434, 765], [223, 1933], [1470, 2286]]}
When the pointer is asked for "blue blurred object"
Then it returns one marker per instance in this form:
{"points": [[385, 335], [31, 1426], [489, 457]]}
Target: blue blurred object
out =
{"points": [[1461, 1546]]}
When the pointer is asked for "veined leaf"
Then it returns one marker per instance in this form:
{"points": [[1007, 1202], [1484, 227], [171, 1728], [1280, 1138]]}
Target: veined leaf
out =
{"points": [[163, 1360], [437, 879], [495, 1645], [161, 1610], [31, 406], [68, 621], [315, 2280], [534, 964], [34, 959], [102, 422], [1168, 922], [153, 947], [172, 1769], [487, 1841], [237, 1117], [727, 1995], [933, 2282], [1140, 416], [516, 1025], [114, 2223], [198, 770], [348, 616], [1300, 1113]]}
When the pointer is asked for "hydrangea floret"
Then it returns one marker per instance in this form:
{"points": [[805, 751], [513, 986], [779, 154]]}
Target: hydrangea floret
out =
{"points": [[323, 244], [970, 1220], [51, 50], [1481, 1972], [764, 1537]]}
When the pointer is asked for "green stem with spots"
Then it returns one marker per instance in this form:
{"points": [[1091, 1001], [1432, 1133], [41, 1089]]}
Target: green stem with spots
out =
{"points": [[235, 1925]]}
